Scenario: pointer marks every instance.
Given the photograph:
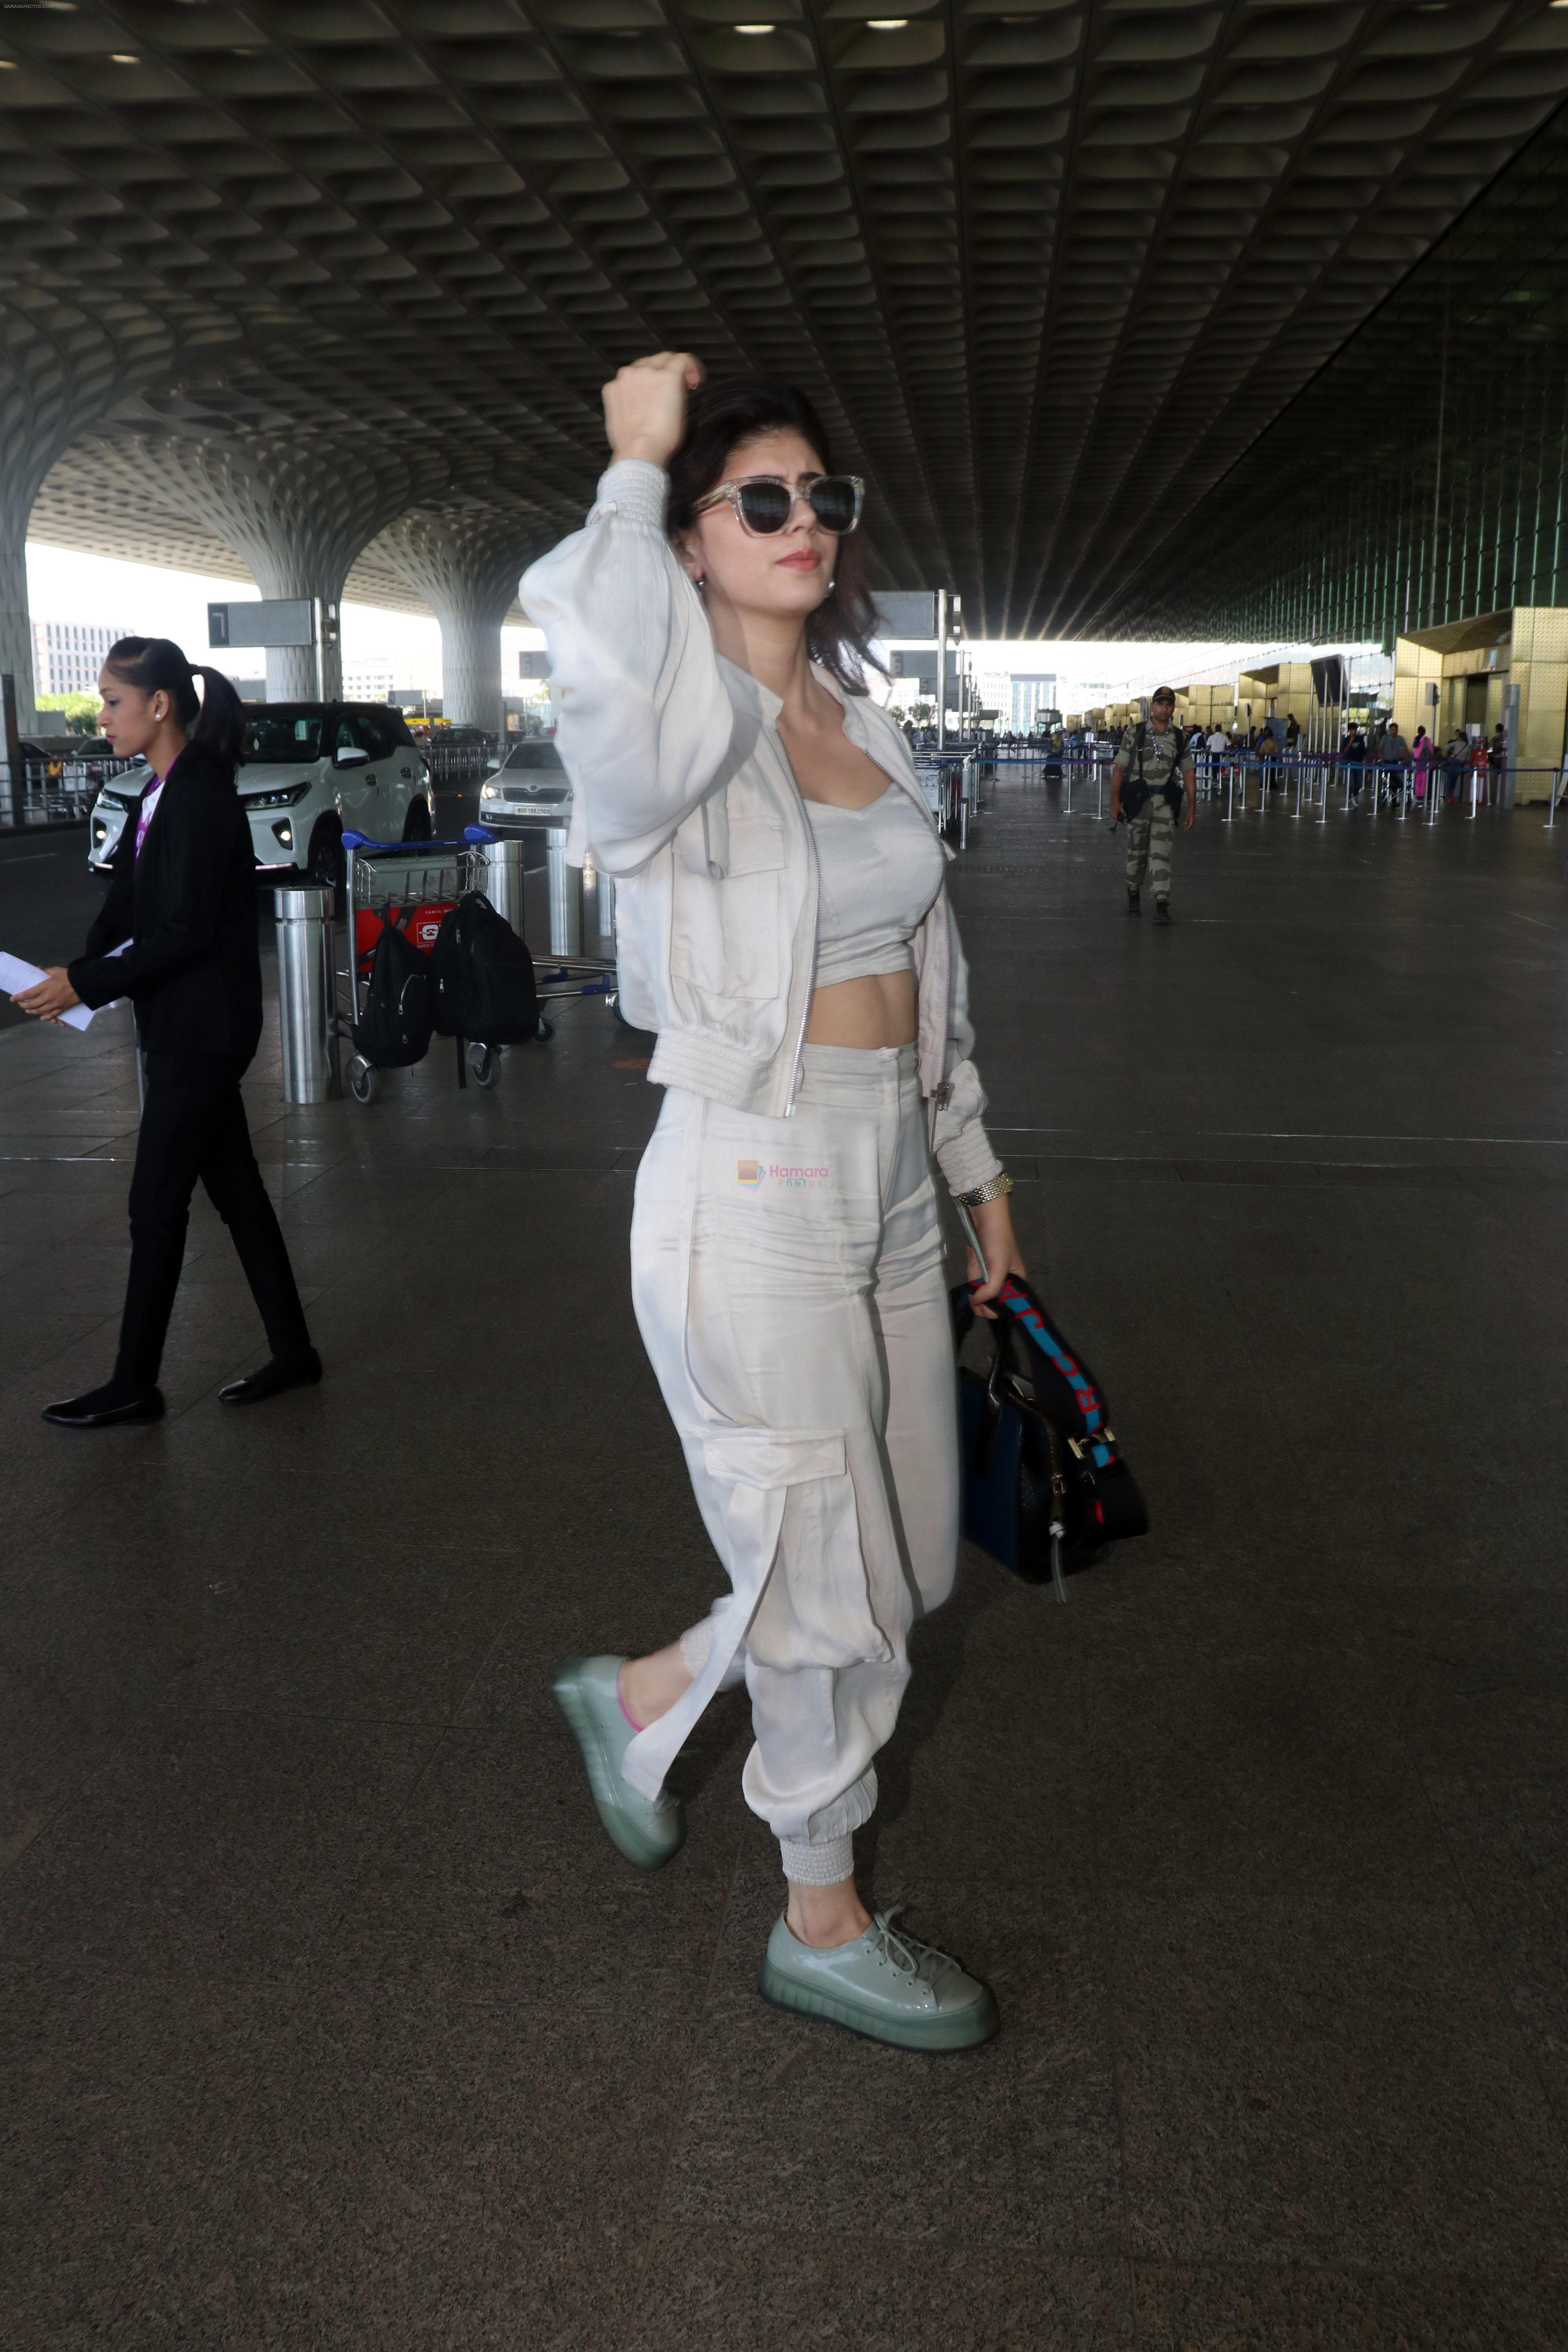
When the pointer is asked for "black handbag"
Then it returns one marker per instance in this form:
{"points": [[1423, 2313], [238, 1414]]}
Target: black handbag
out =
{"points": [[1045, 1487]]}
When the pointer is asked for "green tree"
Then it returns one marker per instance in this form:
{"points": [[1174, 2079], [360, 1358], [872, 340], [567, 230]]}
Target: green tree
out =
{"points": [[79, 710]]}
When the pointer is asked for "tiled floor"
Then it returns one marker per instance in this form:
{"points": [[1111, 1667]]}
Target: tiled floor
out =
{"points": [[329, 2018]]}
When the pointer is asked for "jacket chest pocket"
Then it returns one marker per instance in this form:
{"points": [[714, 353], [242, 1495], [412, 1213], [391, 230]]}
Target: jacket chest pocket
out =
{"points": [[725, 935]]}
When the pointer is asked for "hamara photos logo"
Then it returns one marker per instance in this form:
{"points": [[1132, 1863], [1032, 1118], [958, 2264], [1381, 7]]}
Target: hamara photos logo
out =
{"points": [[753, 1174]]}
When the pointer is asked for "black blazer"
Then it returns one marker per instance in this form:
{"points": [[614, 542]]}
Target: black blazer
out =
{"points": [[188, 903]]}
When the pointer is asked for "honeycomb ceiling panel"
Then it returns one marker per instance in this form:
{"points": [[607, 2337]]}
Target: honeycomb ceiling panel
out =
{"points": [[1048, 269]]}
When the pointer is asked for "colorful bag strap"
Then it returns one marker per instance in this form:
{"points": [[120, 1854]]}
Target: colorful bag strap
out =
{"points": [[1018, 1301]]}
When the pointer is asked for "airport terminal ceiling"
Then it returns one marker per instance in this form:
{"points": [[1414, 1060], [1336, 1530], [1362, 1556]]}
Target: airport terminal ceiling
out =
{"points": [[1421, 478], [1050, 272]]}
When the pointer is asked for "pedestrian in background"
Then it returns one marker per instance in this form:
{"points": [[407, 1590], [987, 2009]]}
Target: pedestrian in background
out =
{"points": [[181, 902], [1394, 756], [1454, 754], [1421, 762], [1152, 768]]}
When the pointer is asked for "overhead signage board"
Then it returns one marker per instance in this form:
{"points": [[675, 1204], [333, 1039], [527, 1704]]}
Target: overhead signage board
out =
{"points": [[533, 666], [907, 614], [272, 621], [907, 662]]}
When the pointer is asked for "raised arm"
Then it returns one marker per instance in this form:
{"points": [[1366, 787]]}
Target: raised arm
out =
{"points": [[644, 719]]}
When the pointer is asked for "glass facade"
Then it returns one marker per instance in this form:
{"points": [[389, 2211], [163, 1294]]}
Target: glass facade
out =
{"points": [[1420, 478]]}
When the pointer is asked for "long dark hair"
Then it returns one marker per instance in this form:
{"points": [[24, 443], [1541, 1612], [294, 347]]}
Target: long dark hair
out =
{"points": [[719, 417], [215, 718]]}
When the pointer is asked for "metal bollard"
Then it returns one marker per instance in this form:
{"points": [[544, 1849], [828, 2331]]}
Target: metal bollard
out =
{"points": [[307, 995], [565, 896], [598, 910], [500, 865]]}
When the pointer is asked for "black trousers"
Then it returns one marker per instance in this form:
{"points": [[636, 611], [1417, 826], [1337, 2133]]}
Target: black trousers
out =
{"points": [[194, 1128]]}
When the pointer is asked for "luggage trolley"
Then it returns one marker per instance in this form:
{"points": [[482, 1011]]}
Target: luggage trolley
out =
{"points": [[412, 885]]}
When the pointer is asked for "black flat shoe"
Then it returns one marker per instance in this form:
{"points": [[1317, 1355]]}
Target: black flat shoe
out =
{"points": [[105, 1408], [302, 1372]]}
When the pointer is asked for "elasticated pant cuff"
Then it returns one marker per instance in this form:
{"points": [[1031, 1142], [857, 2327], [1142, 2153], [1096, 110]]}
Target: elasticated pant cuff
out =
{"points": [[818, 1865]]}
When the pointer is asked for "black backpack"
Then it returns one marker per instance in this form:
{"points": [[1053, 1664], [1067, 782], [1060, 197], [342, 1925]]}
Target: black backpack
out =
{"points": [[395, 1028], [484, 976]]}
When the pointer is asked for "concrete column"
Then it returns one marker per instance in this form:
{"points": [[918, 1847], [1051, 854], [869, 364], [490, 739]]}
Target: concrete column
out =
{"points": [[62, 367], [463, 556], [15, 625], [298, 512]]}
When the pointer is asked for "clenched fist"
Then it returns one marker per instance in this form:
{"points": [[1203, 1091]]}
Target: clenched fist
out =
{"points": [[645, 406]]}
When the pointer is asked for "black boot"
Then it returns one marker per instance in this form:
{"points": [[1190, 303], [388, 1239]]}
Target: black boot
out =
{"points": [[1162, 910], [1133, 906]]}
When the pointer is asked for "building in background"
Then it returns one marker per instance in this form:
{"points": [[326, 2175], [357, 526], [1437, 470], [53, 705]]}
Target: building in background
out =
{"points": [[996, 696], [1031, 693], [369, 681], [68, 655]]}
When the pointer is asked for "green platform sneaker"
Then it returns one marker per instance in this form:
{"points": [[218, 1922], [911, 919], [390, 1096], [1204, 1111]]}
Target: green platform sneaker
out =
{"points": [[886, 1985], [648, 1830]]}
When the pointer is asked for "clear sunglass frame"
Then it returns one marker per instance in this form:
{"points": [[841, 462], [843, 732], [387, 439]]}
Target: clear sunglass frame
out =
{"points": [[731, 493]]}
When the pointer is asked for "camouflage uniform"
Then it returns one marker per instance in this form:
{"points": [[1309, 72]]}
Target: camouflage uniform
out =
{"points": [[1151, 834]]}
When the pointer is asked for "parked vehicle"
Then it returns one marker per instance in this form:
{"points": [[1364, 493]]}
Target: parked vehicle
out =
{"points": [[528, 787], [312, 773], [457, 754]]}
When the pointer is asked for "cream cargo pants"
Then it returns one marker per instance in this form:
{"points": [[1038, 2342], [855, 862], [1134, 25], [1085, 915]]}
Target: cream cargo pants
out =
{"points": [[788, 1280]]}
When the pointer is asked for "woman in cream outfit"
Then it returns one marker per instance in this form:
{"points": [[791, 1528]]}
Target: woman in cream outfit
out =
{"points": [[783, 924]]}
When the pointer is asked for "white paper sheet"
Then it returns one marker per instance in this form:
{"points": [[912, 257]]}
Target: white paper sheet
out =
{"points": [[16, 975]]}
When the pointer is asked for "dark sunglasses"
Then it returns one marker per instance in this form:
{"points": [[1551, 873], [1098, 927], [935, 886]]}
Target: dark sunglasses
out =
{"points": [[764, 502]]}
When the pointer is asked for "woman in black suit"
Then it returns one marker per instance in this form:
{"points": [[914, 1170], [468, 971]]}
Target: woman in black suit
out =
{"points": [[184, 894]]}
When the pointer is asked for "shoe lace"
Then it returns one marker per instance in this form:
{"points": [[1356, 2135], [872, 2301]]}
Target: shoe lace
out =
{"points": [[902, 1950]]}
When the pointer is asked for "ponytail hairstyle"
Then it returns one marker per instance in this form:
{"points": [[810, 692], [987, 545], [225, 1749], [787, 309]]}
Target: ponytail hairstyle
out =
{"points": [[720, 418], [215, 718]]}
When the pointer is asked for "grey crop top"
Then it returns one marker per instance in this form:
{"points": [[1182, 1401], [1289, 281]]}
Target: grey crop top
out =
{"points": [[881, 870]]}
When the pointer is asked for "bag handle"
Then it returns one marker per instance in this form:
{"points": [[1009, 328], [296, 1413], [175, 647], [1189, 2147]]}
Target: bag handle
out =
{"points": [[1067, 1375]]}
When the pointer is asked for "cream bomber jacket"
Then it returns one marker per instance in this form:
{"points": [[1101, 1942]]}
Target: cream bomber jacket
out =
{"points": [[684, 793]]}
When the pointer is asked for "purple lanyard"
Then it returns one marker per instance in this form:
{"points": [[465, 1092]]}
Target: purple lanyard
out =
{"points": [[144, 815]]}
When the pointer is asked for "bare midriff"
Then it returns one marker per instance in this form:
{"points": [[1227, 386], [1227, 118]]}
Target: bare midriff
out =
{"points": [[877, 1011]]}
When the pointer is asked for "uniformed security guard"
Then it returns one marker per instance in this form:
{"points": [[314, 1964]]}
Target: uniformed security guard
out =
{"points": [[1152, 763]]}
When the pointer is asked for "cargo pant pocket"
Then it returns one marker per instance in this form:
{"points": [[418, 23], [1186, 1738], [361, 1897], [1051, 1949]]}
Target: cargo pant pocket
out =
{"points": [[791, 1508]]}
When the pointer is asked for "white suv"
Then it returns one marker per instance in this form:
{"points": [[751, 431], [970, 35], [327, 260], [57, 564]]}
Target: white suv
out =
{"points": [[312, 771]]}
